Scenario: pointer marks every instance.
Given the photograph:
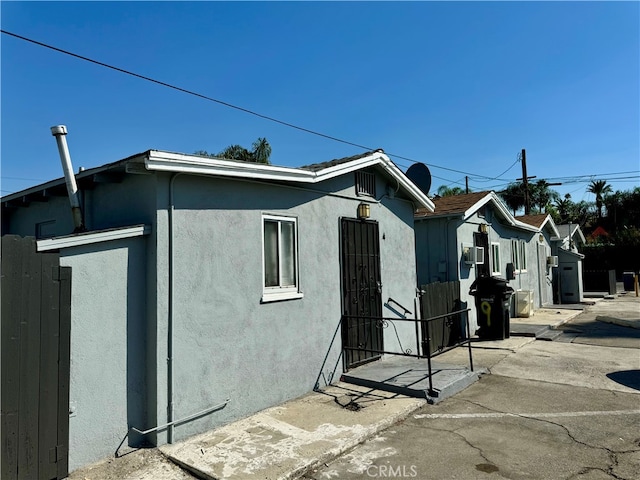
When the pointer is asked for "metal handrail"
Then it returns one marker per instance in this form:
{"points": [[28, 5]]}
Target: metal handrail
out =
{"points": [[182, 420], [429, 355]]}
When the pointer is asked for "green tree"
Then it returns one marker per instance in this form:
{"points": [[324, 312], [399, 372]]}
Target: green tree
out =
{"points": [[513, 196], [564, 209], [259, 154], [542, 196], [444, 191], [600, 188]]}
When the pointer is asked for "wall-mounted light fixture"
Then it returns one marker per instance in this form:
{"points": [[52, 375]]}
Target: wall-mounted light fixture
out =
{"points": [[364, 211], [541, 238], [483, 228]]}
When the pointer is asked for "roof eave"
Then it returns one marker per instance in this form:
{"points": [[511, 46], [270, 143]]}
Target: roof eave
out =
{"points": [[179, 163]]}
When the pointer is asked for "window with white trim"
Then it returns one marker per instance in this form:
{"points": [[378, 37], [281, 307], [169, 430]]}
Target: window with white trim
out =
{"points": [[280, 258], [523, 256], [495, 258], [514, 255], [519, 255]]}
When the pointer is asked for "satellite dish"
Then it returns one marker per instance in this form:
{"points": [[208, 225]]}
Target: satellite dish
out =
{"points": [[419, 174]]}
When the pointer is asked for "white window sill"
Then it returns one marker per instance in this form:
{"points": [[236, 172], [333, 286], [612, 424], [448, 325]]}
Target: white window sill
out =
{"points": [[279, 296]]}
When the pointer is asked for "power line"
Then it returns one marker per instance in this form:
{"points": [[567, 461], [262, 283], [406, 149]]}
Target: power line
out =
{"points": [[226, 104]]}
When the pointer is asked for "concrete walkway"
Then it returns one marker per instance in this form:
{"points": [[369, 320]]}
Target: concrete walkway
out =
{"points": [[286, 441]]}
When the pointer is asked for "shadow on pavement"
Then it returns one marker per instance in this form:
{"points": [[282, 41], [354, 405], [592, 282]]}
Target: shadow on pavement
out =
{"points": [[598, 329], [628, 378]]}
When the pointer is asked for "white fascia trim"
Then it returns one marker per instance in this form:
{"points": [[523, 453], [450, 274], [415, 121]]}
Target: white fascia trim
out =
{"points": [[551, 226], [526, 226], [175, 162], [579, 230], [500, 207], [404, 181], [87, 238], [379, 158]]}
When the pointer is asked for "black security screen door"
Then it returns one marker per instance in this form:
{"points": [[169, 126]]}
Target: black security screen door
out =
{"points": [[361, 292]]}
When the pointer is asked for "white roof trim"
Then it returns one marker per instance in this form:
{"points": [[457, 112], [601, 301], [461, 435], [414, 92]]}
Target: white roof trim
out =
{"points": [[573, 229], [551, 225], [489, 197], [86, 238], [181, 163]]}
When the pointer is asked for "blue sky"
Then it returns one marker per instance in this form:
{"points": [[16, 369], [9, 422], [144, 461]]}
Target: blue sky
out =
{"points": [[459, 85]]}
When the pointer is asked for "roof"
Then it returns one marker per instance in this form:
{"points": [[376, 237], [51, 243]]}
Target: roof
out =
{"points": [[540, 221], [465, 205], [536, 220], [454, 205], [567, 230], [162, 161], [315, 167]]}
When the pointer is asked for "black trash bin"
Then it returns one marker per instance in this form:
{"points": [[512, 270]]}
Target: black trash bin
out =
{"points": [[628, 281], [492, 296]]}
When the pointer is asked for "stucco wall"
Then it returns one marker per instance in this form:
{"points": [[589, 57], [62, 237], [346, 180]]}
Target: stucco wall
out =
{"points": [[107, 372], [226, 343], [433, 234], [107, 205]]}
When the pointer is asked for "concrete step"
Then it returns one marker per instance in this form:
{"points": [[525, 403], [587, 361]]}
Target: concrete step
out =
{"points": [[410, 377], [549, 335], [527, 329]]}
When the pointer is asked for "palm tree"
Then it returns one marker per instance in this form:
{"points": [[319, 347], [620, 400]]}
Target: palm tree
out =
{"points": [[542, 195], [600, 189], [564, 207], [444, 191], [260, 153], [513, 196]]}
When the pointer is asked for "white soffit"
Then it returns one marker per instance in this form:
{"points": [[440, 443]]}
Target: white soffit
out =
{"points": [[86, 238]]}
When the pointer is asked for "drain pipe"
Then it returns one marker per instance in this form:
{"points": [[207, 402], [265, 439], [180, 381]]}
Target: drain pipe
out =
{"points": [[170, 313], [60, 132]]}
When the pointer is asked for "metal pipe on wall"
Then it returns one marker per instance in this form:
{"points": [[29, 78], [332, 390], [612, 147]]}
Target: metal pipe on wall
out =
{"points": [[170, 422], [60, 132]]}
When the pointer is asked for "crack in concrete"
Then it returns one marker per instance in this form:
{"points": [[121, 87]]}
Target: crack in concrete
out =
{"points": [[613, 455], [466, 440]]}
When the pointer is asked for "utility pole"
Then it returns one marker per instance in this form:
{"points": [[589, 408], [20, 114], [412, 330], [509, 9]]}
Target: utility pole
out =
{"points": [[466, 181], [525, 184]]}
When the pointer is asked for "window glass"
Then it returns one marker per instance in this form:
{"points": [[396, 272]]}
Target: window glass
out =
{"points": [[271, 274], [495, 256], [514, 255], [523, 255], [288, 254]]}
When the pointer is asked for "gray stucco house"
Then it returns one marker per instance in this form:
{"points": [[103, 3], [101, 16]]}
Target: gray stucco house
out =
{"points": [[475, 234], [207, 289]]}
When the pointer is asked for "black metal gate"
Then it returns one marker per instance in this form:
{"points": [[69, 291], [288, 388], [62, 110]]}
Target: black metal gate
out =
{"points": [[362, 335], [36, 323], [442, 300]]}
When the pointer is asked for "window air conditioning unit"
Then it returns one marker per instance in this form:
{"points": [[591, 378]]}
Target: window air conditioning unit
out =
{"points": [[552, 261]]}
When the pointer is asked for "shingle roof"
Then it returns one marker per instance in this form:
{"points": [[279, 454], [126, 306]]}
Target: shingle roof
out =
{"points": [[337, 161], [536, 220], [453, 204]]}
